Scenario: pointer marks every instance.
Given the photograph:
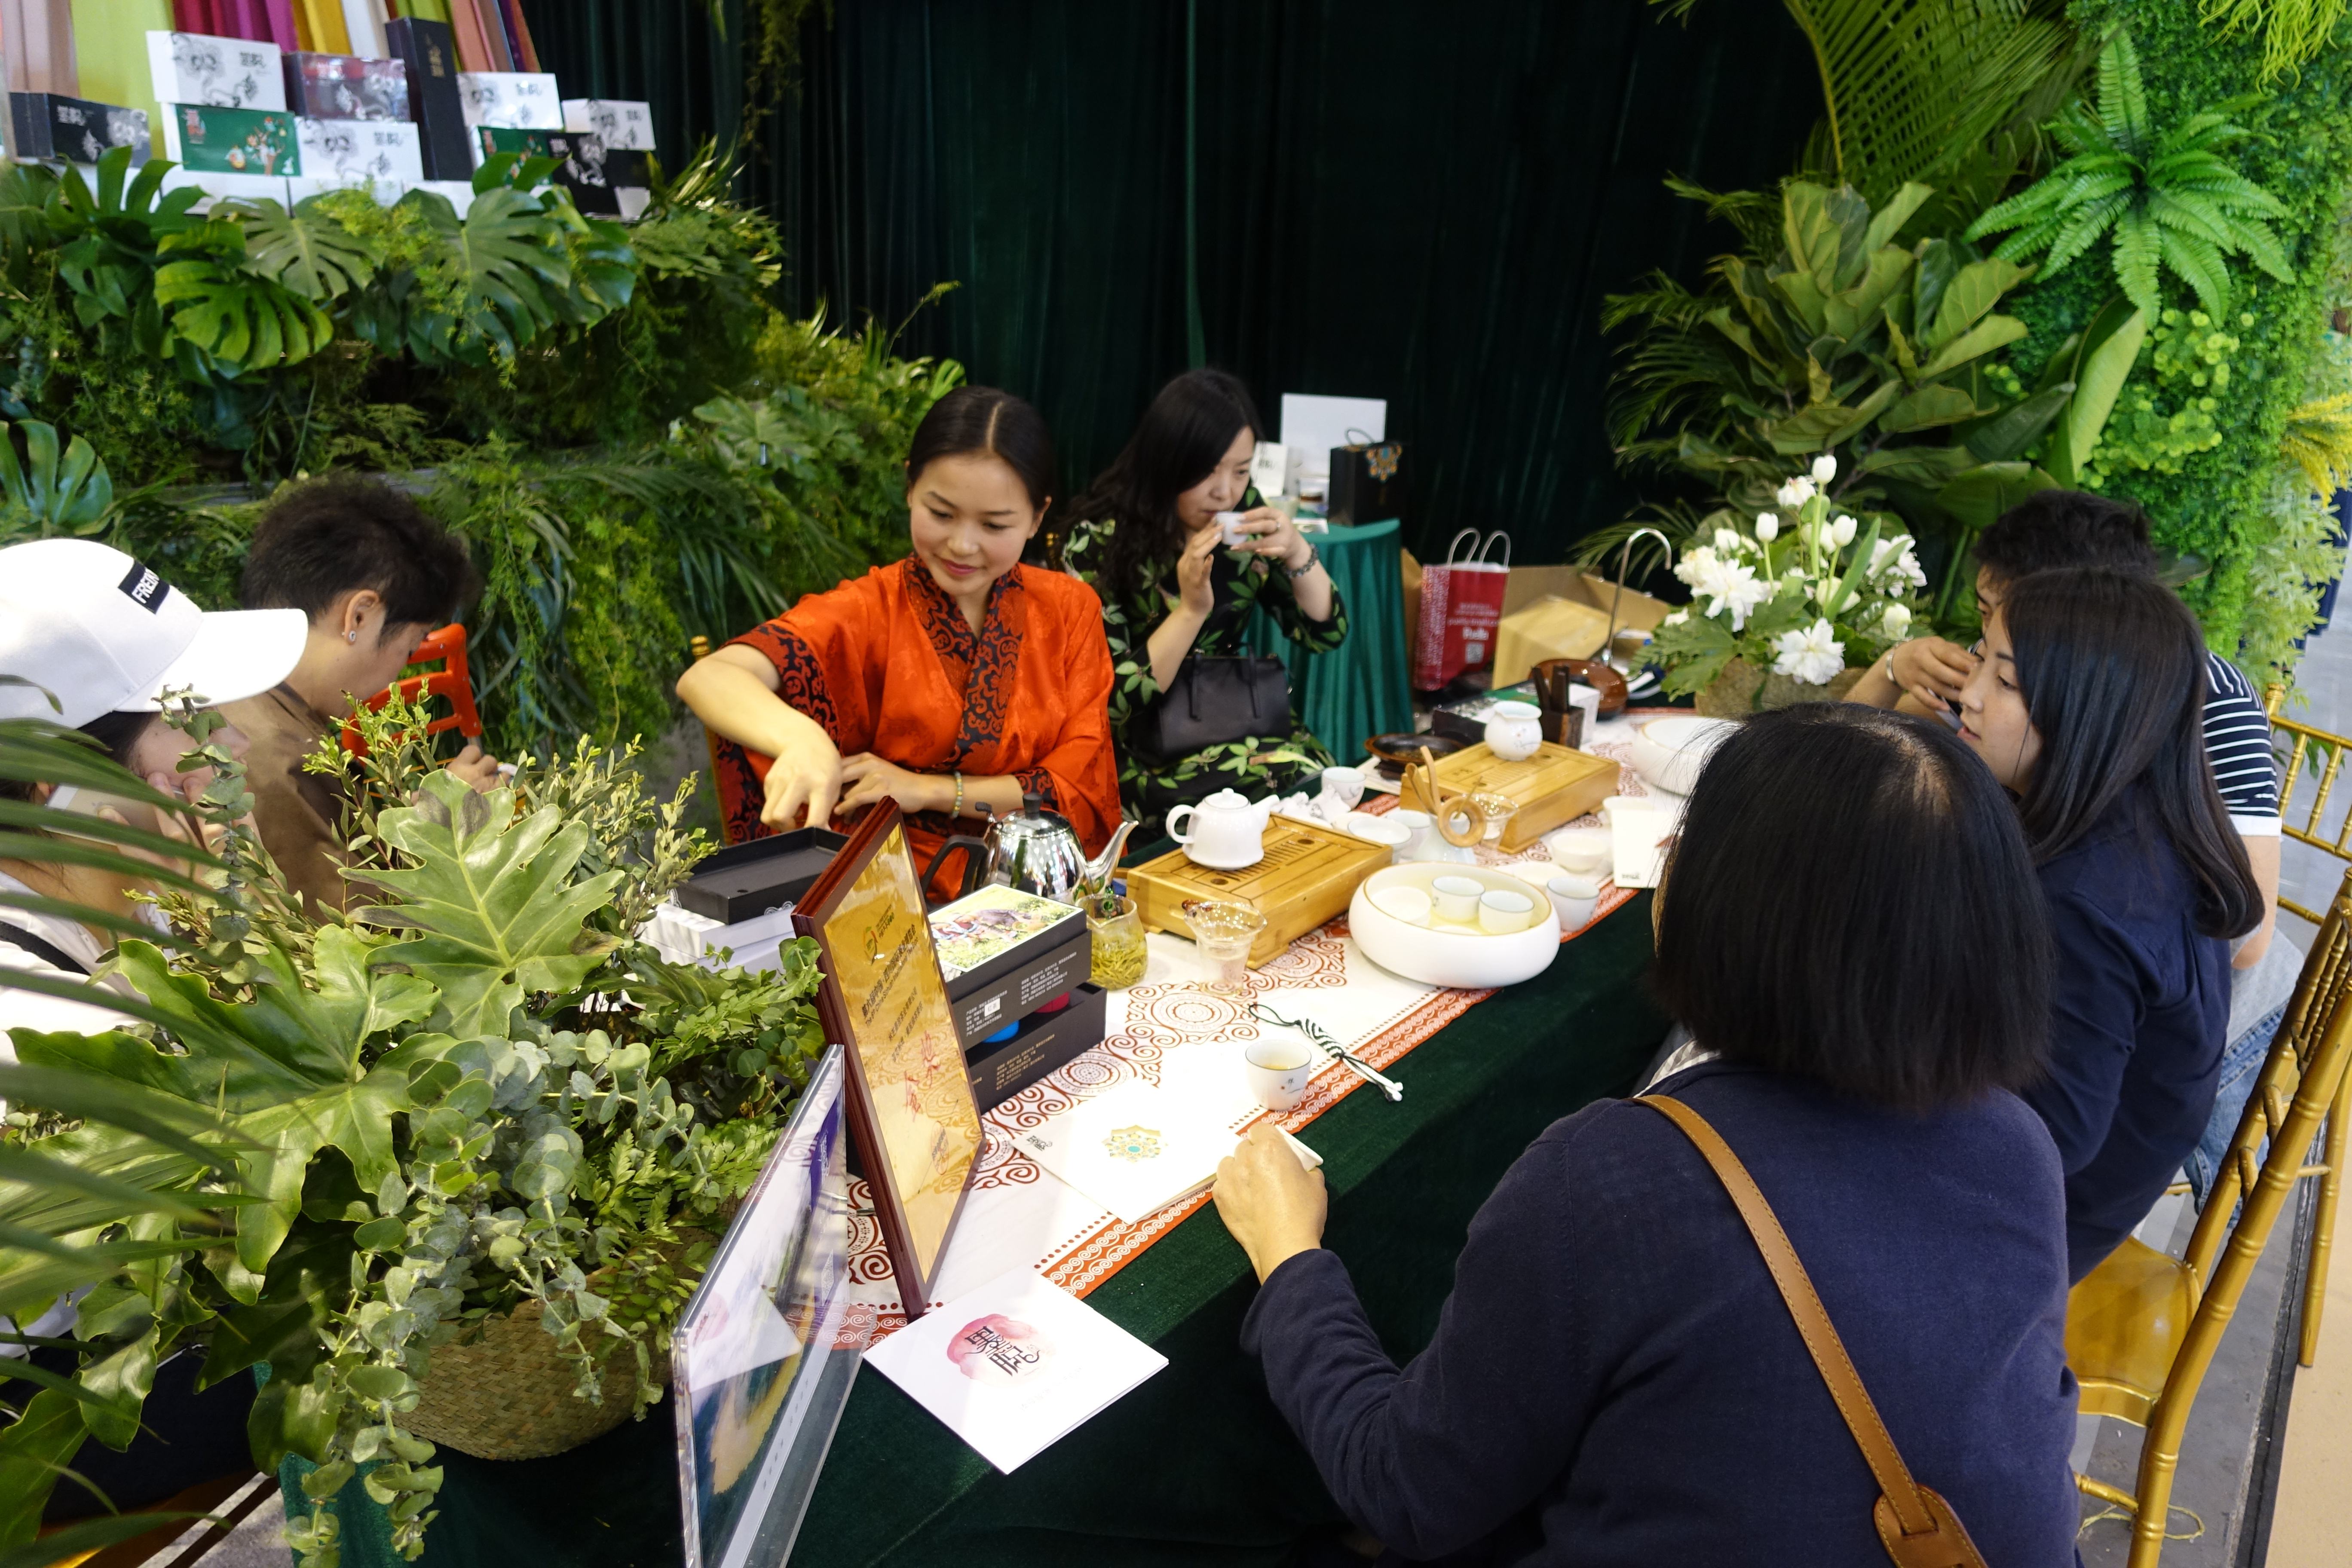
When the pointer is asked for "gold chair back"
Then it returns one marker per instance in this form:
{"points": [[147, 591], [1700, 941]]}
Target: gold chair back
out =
{"points": [[2142, 1329]]}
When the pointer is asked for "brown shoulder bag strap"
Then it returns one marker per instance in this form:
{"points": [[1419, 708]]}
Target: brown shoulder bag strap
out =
{"points": [[1917, 1526]]}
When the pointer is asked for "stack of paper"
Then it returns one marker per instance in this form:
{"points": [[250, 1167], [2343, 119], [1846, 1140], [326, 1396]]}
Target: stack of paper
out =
{"points": [[1015, 1365]]}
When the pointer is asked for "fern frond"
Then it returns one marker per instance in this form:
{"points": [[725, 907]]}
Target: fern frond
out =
{"points": [[2123, 99], [2200, 262], [2317, 440], [2138, 251]]}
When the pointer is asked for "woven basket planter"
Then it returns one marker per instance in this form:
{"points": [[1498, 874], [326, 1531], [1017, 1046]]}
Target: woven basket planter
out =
{"points": [[507, 1393], [1743, 688]]}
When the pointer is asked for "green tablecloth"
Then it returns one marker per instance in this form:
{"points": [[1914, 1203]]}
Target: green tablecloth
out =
{"points": [[1360, 688], [1193, 1466]]}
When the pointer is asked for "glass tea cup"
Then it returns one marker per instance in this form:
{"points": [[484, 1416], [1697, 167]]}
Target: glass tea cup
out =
{"points": [[1499, 809], [1120, 954], [1223, 930]]}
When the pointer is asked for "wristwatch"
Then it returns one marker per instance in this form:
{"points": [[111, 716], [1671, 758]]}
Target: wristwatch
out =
{"points": [[1312, 560]]}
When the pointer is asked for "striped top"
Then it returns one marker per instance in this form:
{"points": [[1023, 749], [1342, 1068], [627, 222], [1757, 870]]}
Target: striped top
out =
{"points": [[2238, 739]]}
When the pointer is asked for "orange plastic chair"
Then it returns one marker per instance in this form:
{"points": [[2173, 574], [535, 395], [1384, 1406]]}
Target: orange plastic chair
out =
{"points": [[452, 681]]}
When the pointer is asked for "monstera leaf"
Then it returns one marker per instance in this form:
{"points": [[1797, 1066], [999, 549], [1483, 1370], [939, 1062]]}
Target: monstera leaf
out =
{"points": [[236, 320], [68, 494], [492, 896], [306, 249]]}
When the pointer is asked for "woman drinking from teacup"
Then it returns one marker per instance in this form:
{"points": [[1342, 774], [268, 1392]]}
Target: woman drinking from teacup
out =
{"points": [[952, 680], [1177, 589], [1849, 924], [2088, 705]]}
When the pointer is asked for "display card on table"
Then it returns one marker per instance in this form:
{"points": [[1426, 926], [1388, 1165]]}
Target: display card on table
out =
{"points": [[1141, 1146], [1014, 1365], [617, 122], [912, 1116], [763, 1359]]}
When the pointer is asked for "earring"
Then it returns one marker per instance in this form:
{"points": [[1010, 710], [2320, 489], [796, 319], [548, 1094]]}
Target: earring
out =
{"points": [[350, 636]]}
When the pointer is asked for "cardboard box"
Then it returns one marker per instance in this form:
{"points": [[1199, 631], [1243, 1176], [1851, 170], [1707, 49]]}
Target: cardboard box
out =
{"points": [[349, 151], [346, 86], [74, 130], [518, 100], [615, 122], [760, 877], [1562, 612], [228, 73], [1047, 1040], [205, 139], [1028, 951]]}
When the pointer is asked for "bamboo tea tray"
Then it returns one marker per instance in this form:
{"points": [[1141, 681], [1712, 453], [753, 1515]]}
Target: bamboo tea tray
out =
{"points": [[1553, 787], [1306, 877]]}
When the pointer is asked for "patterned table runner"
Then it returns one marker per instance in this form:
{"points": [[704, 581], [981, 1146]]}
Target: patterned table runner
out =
{"points": [[1167, 1030]]}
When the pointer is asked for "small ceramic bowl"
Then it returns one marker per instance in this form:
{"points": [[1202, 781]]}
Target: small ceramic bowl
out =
{"points": [[1501, 912], [1457, 898], [1669, 752], [1579, 851]]}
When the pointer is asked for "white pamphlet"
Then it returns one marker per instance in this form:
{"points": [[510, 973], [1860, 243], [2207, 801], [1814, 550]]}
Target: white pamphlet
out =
{"points": [[1139, 1147], [1012, 1366]]}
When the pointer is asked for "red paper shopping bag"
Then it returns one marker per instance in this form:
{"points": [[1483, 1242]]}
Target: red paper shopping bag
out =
{"points": [[1461, 604]]}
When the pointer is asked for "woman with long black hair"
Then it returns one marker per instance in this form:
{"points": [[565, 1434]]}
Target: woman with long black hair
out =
{"points": [[2088, 705], [1145, 539]]}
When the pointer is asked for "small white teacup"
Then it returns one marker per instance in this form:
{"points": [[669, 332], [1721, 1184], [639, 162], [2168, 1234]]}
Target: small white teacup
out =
{"points": [[1344, 784], [1501, 913], [1574, 899], [1278, 1071], [1457, 898]]}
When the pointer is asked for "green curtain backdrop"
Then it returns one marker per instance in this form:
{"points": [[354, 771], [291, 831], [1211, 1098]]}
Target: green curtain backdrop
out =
{"points": [[1390, 199]]}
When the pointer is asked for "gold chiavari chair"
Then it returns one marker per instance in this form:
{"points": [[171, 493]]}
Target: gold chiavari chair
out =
{"points": [[2142, 1328], [2303, 742]]}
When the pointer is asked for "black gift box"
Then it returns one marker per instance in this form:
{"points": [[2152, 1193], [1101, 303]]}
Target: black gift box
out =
{"points": [[1034, 973], [49, 125], [1047, 1040], [430, 56], [1367, 484], [749, 880]]}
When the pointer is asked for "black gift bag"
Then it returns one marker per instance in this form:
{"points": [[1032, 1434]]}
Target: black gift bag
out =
{"points": [[1367, 483]]}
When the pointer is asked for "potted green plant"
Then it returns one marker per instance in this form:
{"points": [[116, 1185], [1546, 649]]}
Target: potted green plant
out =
{"points": [[452, 1121]]}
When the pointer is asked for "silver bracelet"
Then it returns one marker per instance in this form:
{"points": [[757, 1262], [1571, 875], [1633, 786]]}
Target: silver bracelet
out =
{"points": [[1312, 560]]}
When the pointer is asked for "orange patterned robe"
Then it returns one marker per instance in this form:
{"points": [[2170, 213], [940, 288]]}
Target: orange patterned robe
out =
{"points": [[887, 664]]}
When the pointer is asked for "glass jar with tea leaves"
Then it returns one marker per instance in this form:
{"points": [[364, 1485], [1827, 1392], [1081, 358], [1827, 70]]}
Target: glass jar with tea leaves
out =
{"points": [[1118, 950]]}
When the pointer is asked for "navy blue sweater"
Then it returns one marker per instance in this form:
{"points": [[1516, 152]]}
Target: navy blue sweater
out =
{"points": [[1616, 1381], [2140, 1013]]}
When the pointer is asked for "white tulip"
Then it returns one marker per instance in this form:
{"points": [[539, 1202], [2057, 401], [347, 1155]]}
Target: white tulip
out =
{"points": [[1842, 531], [1727, 542], [1768, 527], [1897, 621], [1795, 493], [1824, 468]]}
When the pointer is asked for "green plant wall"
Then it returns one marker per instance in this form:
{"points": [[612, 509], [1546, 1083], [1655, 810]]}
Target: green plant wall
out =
{"points": [[2195, 435]]}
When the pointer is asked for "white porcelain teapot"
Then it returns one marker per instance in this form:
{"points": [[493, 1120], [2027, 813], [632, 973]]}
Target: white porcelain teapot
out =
{"points": [[1228, 832]]}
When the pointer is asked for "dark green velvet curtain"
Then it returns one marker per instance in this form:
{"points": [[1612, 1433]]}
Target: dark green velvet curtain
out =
{"points": [[1388, 198]]}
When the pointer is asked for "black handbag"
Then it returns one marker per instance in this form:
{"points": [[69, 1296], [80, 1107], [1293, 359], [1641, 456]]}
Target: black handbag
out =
{"points": [[1214, 701]]}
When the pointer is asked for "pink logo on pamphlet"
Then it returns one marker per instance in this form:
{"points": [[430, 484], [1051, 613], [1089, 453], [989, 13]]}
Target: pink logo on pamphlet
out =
{"points": [[998, 1349]]}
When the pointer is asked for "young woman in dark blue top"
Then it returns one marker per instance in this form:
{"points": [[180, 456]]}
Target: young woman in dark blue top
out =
{"points": [[2088, 706], [1851, 924]]}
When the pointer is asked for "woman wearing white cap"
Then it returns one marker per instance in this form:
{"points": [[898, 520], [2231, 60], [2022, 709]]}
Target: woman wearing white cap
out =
{"points": [[108, 639]]}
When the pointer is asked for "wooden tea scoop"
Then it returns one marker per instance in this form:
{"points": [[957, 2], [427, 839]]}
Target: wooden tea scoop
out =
{"points": [[1474, 817]]}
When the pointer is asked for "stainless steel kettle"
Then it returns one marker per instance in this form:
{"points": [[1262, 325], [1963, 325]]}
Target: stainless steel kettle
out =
{"points": [[1035, 850]]}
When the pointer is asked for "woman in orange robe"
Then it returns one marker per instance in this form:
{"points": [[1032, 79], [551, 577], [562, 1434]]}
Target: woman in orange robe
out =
{"points": [[952, 679]]}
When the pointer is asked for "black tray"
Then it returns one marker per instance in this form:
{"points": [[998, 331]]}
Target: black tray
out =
{"points": [[748, 880]]}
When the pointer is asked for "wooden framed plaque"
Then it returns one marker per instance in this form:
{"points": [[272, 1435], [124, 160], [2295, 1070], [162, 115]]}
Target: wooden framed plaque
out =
{"points": [[912, 1119]]}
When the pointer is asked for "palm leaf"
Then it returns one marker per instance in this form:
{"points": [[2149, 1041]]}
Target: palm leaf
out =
{"points": [[1911, 90]]}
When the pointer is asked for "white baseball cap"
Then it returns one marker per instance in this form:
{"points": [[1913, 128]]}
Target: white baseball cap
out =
{"points": [[105, 634]]}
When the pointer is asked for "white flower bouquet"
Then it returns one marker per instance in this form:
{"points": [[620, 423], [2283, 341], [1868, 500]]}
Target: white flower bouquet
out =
{"points": [[1804, 592]]}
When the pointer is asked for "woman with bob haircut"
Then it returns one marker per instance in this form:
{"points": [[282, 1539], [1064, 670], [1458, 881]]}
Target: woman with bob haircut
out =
{"points": [[953, 682], [1145, 539], [2089, 706], [1851, 926]]}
